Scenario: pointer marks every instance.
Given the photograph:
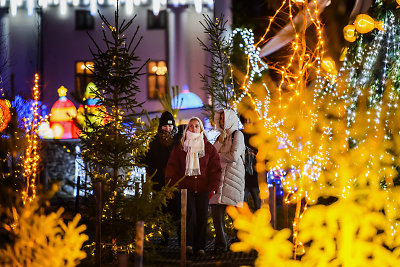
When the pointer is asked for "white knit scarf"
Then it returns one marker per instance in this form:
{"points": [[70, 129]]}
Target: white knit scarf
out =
{"points": [[194, 148]]}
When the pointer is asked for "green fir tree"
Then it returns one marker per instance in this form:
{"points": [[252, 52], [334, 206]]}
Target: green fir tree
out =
{"points": [[113, 142], [218, 80]]}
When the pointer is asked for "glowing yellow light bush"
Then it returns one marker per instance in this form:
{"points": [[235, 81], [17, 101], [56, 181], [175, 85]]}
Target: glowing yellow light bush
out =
{"points": [[359, 229], [361, 226], [255, 232], [351, 232], [333, 146], [43, 240]]}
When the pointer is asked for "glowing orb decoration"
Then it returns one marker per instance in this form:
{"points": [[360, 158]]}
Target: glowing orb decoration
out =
{"points": [[62, 114], [44, 131], [349, 33], [328, 65], [5, 115], [58, 130], [365, 24], [187, 99]]}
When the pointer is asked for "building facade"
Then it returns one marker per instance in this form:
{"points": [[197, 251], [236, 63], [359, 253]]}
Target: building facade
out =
{"points": [[51, 38]]}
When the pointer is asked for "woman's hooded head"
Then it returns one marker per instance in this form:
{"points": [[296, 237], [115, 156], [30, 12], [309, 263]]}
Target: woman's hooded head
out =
{"points": [[230, 123]]}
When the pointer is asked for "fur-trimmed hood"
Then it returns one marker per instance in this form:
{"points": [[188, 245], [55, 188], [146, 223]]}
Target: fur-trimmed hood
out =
{"points": [[231, 121]]}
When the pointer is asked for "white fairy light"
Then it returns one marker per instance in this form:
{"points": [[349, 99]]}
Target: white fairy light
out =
{"points": [[157, 5], [30, 4], [129, 6], [93, 7], [13, 7], [63, 7], [198, 5]]}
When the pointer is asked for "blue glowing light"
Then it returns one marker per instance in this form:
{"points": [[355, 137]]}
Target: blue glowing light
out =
{"points": [[186, 99]]}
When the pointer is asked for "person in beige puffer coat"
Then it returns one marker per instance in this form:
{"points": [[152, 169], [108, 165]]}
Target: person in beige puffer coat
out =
{"points": [[231, 148]]}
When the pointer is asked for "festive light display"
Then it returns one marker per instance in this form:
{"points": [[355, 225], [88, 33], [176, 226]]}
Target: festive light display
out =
{"points": [[42, 239], [63, 112], [339, 139], [299, 154], [255, 67], [328, 64], [32, 157], [5, 115], [95, 113], [157, 5], [349, 33], [186, 99], [362, 24], [365, 23]]}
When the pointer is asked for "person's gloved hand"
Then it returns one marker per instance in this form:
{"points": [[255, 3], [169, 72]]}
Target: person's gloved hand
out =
{"points": [[211, 194]]}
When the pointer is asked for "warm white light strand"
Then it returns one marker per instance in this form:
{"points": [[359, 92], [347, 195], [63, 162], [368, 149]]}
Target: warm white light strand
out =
{"points": [[157, 5]]}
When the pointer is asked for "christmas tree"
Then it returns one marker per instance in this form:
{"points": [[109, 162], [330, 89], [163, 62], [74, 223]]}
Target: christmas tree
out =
{"points": [[113, 142], [218, 80]]}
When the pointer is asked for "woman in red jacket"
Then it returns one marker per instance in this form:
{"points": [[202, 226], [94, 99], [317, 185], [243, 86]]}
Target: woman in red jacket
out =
{"points": [[195, 159]]}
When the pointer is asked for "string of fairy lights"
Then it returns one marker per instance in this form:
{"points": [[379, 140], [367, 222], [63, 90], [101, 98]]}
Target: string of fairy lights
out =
{"points": [[93, 5], [32, 157], [386, 41], [294, 77], [255, 67], [359, 72]]}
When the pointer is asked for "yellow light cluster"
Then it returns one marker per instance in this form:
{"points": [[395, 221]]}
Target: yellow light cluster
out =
{"points": [[313, 131], [32, 158], [293, 98], [362, 24]]}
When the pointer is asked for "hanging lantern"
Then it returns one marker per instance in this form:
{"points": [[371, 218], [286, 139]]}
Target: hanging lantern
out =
{"points": [[328, 65], [62, 114], [5, 115], [365, 23], [398, 2], [349, 33]]}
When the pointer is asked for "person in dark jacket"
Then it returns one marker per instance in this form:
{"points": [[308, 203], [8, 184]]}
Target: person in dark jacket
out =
{"points": [[251, 180], [156, 160], [196, 161]]}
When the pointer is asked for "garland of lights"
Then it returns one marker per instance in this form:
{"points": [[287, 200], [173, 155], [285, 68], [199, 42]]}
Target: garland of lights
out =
{"points": [[32, 157], [366, 58], [255, 67], [293, 78], [156, 5]]}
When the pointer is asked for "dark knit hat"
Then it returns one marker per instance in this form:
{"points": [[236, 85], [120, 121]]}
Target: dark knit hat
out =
{"points": [[166, 119]]}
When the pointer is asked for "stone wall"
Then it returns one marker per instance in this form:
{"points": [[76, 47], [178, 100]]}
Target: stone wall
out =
{"points": [[59, 164]]}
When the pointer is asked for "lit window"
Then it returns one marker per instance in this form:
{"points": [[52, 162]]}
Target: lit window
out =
{"points": [[156, 81], [83, 76]]}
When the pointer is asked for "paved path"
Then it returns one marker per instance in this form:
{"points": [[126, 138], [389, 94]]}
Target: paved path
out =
{"points": [[170, 256]]}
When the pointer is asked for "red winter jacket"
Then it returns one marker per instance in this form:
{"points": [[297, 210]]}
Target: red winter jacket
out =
{"points": [[210, 168]]}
